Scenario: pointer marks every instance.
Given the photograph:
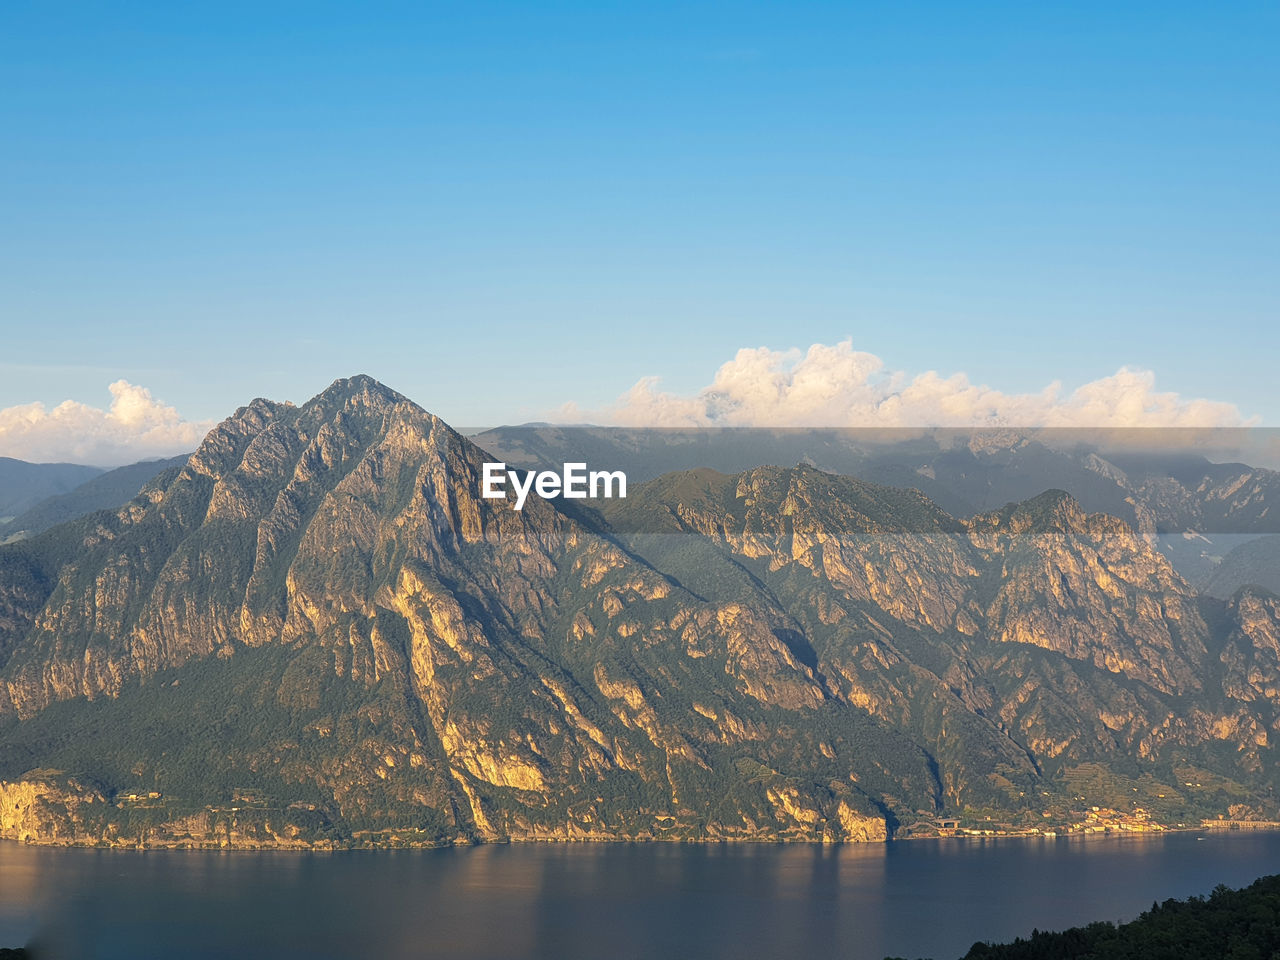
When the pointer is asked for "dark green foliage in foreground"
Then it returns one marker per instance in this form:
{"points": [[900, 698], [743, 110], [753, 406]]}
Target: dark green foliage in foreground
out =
{"points": [[20, 953], [1227, 925]]}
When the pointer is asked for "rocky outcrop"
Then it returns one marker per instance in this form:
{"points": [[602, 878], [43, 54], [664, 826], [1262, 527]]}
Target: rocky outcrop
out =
{"points": [[44, 807]]}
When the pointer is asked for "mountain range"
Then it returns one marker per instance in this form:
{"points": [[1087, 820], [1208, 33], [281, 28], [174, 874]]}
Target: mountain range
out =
{"points": [[103, 490], [316, 632], [1194, 510], [23, 485]]}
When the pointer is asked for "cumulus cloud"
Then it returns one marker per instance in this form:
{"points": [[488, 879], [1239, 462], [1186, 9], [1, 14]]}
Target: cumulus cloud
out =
{"points": [[135, 426], [837, 386]]}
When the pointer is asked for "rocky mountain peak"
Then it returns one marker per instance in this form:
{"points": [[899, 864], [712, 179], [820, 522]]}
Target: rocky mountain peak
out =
{"points": [[1054, 511], [1253, 597], [359, 391]]}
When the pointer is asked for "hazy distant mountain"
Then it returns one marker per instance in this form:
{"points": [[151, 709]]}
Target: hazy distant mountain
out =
{"points": [[1256, 562], [1197, 510], [23, 485], [105, 491], [315, 630]]}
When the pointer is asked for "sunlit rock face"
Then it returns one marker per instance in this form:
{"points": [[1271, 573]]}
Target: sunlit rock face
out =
{"points": [[38, 809], [1088, 588], [317, 632]]}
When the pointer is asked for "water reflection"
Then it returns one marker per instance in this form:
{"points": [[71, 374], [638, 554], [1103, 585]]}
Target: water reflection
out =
{"points": [[569, 901]]}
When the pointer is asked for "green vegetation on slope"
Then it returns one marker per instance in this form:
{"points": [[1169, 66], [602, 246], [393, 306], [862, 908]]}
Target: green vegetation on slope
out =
{"points": [[1227, 925]]}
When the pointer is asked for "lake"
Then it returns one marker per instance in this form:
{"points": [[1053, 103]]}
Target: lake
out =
{"points": [[916, 898]]}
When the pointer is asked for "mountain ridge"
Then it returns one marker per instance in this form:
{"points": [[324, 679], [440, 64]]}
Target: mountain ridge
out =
{"points": [[104, 491], [23, 484]]}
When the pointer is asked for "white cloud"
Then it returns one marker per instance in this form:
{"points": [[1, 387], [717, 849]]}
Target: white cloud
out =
{"points": [[837, 386], [136, 426]]}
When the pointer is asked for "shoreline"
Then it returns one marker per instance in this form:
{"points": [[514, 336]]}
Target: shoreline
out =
{"points": [[1262, 827]]}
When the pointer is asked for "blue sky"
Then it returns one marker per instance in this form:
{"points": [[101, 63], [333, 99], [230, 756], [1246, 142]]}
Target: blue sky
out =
{"points": [[498, 208]]}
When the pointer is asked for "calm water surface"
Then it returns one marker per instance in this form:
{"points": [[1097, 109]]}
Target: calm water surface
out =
{"points": [[920, 898]]}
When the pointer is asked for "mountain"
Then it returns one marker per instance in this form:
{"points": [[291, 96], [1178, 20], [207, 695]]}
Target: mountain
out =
{"points": [[1053, 635], [23, 485], [105, 491], [319, 606], [1255, 562], [317, 632], [1195, 510]]}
